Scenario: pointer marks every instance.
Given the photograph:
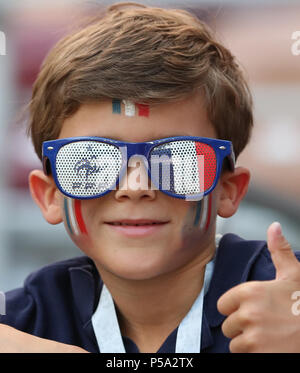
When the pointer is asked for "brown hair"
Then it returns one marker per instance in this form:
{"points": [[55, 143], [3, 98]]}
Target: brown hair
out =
{"points": [[144, 54]]}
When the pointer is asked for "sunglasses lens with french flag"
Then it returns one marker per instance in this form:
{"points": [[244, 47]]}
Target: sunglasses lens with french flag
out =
{"points": [[186, 168]]}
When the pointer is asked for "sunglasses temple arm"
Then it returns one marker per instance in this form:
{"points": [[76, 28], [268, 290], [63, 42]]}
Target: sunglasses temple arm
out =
{"points": [[46, 166], [231, 159]]}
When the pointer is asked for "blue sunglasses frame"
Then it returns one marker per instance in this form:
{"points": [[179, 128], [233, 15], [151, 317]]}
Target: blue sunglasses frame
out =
{"points": [[223, 149]]}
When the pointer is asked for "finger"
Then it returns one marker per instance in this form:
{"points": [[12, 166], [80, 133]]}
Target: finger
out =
{"points": [[232, 327], [283, 257], [239, 344], [229, 301]]}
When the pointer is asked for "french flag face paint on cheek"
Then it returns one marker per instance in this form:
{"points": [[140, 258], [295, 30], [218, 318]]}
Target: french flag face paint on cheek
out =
{"points": [[199, 218], [197, 226], [203, 213], [73, 218]]}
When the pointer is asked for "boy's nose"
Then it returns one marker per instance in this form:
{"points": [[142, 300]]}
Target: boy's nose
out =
{"points": [[135, 184]]}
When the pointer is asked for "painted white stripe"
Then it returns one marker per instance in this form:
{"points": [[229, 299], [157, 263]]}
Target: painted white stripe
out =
{"points": [[204, 212], [71, 209], [129, 108]]}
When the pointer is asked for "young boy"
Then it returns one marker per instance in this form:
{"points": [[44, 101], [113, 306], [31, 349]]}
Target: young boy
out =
{"points": [[141, 84]]}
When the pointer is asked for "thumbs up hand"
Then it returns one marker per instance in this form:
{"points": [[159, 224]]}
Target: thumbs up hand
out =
{"points": [[264, 316]]}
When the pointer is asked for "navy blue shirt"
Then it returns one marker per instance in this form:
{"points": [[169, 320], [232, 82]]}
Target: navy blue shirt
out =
{"points": [[58, 301]]}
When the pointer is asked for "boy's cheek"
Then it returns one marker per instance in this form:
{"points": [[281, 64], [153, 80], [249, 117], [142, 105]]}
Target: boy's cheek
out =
{"points": [[74, 221]]}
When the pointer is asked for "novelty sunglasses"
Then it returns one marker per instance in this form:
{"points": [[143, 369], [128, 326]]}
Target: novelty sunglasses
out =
{"points": [[181, 167]]}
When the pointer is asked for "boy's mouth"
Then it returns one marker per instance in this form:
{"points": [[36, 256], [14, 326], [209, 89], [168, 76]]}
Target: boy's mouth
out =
{"points": [[137, 227], [137, 222]]}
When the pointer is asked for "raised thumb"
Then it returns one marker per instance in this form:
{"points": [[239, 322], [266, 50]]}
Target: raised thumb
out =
{"points": [[283, 257]]}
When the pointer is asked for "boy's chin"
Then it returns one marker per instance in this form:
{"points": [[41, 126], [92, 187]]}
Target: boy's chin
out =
{"points": [[133, 274], [148, 266], [138, 271], [134, 267]]}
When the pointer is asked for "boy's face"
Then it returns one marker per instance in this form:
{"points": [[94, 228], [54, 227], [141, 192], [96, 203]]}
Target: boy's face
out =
{"points": [[187, 234]]}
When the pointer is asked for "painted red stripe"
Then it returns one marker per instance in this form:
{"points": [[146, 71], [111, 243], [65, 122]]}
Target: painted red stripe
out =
{"points": [[208, 212], [143, 110], [78, 215]]}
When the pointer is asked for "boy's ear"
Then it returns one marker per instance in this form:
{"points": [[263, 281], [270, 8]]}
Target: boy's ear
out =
{"points": [[233, 188], [46, 195]]}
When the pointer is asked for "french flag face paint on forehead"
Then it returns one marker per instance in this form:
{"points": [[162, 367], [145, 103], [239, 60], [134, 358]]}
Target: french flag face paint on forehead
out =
{"points": [[130, 108]]}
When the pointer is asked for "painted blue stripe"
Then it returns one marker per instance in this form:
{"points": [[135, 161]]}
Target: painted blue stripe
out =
{"points": [[67, 215], [116, 106], [198, 212]]}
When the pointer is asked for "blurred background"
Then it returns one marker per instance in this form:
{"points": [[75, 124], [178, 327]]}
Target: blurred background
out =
{"points": [[259, 33]]}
